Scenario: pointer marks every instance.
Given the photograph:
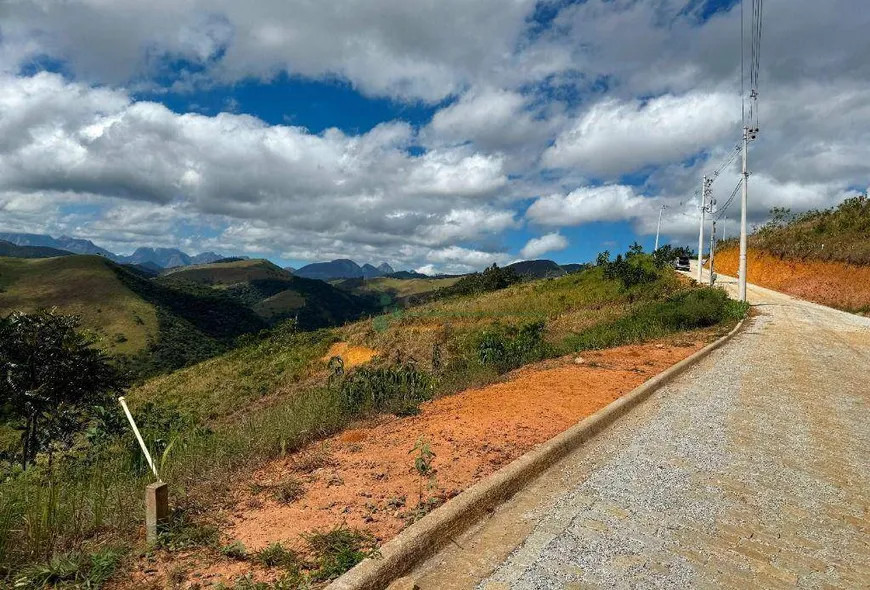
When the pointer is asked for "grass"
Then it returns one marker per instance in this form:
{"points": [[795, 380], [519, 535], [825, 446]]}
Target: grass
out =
{"points": [[85, 286], [838, 234], [216, 430]]}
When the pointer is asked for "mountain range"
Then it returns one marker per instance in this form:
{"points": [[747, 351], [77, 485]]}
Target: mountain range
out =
{"points": [[343, 269], [162, 257]]}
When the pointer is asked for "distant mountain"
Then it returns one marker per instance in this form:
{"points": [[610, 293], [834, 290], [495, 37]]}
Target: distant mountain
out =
{"points": [[537, 269], [73, 245], [12, 251], [209, 257], [343, 269], [162, 257], [370, 271], [325, 271], [290, 269]]}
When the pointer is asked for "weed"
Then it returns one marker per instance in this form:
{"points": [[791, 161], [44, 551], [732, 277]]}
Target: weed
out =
{"points": [[289, 490], [235, 550], [71, 569], [338, 550], [312, 459], [276, 555], [182, 532]]}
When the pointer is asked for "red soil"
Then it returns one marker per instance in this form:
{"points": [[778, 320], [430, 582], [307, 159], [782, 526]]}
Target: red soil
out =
{"points": [[835, 284], [364, 478]]}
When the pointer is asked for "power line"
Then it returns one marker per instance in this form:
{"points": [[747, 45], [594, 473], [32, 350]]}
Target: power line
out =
{"points": [[724, 207]]}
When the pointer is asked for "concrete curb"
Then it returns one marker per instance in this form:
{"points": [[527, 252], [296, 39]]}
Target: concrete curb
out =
{"points": [[422, 539]]}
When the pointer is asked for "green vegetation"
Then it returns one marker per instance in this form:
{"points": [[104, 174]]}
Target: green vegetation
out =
{"points": [[839, 234], [53, 380], [211, 424], [86, 286], [391, 292], [491, 279]]}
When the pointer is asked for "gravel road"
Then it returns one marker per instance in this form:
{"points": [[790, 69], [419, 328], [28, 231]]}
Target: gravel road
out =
{"points": [[752, 470]]}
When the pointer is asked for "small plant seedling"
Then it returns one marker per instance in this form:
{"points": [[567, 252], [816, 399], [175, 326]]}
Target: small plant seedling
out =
{"points": [[423, 466], [289, 490]]}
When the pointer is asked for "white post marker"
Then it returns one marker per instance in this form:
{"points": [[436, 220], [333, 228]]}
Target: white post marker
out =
{"points": [[659, 227], [123, 403]]}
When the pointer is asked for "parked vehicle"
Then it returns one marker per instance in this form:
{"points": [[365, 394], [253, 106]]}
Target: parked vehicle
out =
{"points": [[682, 263]]}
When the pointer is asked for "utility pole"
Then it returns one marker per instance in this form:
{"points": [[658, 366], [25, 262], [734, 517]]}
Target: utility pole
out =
{"points": [[712, 252], [744, 200], [701, 231], [659, 227]]}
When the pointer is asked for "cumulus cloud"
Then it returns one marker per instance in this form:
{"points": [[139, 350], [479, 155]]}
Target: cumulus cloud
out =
{"points": [[587, 205], [70, 140], [616, 137], [535, 247]]}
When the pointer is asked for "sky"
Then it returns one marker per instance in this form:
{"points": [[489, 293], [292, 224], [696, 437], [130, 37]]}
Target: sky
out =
{"points": [[436, 135]]}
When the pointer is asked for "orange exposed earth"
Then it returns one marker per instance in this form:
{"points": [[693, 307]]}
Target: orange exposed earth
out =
{"points": [[835, 284], [364, 478], [351, 355]]}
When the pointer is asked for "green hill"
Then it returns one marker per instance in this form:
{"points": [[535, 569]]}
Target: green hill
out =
{"points": [[87, 286], [155, 327], [275, 294]]}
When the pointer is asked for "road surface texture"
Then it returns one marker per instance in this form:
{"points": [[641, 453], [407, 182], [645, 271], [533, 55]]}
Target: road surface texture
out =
{"points": [[751, 470]]}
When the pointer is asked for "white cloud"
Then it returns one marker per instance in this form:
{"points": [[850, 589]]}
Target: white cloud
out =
{"points": [[535, 247], [74, 142], [587, 205], [616, 137]]}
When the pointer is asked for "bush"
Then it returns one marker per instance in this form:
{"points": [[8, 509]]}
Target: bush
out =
{"points": [[687, 310], [491, 279], [506, 348], [397, 389]]}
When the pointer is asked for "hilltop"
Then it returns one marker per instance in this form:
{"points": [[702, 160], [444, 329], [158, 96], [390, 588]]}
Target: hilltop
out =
{"points": [[11, 250], [821, 256]]}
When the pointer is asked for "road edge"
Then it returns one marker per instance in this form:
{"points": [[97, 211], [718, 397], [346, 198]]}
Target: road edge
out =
{"points": [[423, 539]]}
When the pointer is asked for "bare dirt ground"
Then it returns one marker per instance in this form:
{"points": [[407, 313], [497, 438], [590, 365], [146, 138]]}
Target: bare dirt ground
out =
{"points": [[835, 284], [364, 478]]}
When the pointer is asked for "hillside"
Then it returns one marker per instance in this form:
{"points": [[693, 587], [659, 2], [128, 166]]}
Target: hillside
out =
{"points": [[157, 327], [275, 294], [821, 256], [216, 423], [83, 285]]}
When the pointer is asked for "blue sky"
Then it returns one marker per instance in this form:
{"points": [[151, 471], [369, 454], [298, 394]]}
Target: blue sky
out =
{"points": [[435, 135]]}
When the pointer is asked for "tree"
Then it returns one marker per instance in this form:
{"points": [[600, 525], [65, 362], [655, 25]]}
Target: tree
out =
{"points": [[50, 377]]}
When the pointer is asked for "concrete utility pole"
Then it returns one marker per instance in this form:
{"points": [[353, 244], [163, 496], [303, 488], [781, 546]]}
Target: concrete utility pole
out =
{"points": [[701, 231], [712, 252], [659, 227], [744, 199]]}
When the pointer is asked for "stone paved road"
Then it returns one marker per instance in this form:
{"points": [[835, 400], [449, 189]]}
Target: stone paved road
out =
{"points": [[752, 470]]}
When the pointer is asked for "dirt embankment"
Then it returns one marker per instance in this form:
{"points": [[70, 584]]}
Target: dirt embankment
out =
{"points": [[365, 478], [835, 284]]}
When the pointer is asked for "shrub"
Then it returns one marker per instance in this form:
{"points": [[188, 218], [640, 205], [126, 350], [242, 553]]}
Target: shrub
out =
{"points": [[276, 555], [339, 550], [687, 310], [506, 348], [396, 389]]}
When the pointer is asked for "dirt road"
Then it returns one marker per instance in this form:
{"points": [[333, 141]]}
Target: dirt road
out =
{"points": [[751, 470]]}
